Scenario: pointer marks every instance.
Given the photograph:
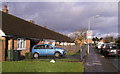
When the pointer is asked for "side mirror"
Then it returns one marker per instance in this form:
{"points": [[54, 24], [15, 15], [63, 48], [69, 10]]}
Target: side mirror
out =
{"points": [[51, 48]]}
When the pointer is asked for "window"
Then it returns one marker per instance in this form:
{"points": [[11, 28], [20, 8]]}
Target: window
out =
{"points": [[48, 47], [42, 47], [21, 44], [39, 47]]}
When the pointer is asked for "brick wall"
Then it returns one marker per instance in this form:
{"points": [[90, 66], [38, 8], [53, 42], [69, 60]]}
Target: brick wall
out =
{"points": [[2, 48], [10, 44], [15, 44], [23, 51]]}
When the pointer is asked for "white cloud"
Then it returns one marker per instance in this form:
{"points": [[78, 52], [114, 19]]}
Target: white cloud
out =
{"points": [[106, 34]]}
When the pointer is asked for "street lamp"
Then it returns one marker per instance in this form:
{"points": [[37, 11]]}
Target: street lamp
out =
{"points": [[97, 16], [89, 30]]}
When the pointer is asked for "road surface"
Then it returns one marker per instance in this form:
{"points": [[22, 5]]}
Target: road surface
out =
{"points": [[95, 62]]}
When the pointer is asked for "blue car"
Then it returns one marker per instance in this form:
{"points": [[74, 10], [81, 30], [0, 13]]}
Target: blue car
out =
{"points": [[47, 50]]}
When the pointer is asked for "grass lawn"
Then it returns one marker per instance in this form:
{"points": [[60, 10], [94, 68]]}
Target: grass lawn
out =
{"points": [[58, 60], [42, 66]]}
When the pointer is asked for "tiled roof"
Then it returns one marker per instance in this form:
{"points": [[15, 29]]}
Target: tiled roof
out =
{"points": [[12, 25]]}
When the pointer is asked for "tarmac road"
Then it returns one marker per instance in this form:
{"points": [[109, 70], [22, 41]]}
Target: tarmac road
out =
{"points": [[95, 62], [115, 60]]}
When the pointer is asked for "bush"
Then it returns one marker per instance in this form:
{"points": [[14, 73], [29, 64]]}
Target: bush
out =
{"points": [[28, 55]]}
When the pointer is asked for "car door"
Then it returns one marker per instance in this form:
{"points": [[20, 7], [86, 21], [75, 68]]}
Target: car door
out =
{"points": [[41, 49], [50, 50]]}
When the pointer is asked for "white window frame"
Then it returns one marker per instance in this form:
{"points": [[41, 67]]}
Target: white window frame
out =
{"points": [[21, 44]]}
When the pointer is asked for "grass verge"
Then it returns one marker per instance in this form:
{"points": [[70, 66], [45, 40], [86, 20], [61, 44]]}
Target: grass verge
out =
{"points": [[39, 66], [57, 60]]}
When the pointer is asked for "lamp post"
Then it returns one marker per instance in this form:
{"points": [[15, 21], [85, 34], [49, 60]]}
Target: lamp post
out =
{"points": [[89, 30]]}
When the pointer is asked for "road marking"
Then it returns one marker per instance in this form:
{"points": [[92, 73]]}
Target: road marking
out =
{"points": [[93, 63], [96, 61], [103, 56], [88, 64]]}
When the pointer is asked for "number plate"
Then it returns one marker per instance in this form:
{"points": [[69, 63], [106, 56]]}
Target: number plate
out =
{"points": [[113, 51]]}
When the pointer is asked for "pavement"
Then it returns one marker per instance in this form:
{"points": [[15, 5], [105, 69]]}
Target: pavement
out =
{"points": [[95, 62], [73, 56]]}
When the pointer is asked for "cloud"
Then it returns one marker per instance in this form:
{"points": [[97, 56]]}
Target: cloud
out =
{"points": [[106, 34], [60, 0], [68, 17]]}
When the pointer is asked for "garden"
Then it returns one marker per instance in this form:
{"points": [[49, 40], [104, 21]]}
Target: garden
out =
{"points": [[70, 63]]}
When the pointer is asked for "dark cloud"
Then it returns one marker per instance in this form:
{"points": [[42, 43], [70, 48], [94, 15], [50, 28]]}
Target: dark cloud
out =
{"points": [[69, 16]]}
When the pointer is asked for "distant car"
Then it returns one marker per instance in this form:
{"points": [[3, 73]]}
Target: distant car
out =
{"points": [[47, 50], [111, 51], [98, 46], [105, 46]]}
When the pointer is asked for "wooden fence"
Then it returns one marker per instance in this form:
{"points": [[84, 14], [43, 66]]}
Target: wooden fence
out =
{"points": [[70, 48]]}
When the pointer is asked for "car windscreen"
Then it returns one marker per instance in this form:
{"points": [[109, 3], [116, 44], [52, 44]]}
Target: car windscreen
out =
{"points": [[115, 47]]}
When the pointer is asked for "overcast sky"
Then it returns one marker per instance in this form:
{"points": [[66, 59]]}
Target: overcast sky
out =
{"points": [[68, 17]]}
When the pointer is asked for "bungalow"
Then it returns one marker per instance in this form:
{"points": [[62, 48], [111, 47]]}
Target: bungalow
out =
{"points": [[19, 34]]}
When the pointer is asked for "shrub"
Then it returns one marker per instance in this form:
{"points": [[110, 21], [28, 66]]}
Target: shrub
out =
{"points": [[28, 55]]}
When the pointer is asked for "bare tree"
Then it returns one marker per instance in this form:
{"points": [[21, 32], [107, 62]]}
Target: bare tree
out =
{"points": [[108, 39], [80, 35]]}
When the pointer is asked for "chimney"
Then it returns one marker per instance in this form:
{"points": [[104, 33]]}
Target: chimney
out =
{"points": [[45, 26], [31, 21], [5, 9]]}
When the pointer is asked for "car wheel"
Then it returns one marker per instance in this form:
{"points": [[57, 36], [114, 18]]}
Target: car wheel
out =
{"points": [[105, 55], [99, 51], [36, 55], [116, 56], [57, 55]]}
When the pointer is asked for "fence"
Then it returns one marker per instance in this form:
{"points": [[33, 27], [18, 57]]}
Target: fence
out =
{"points": [[70, 48], [77, 48], [84, 51]]}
